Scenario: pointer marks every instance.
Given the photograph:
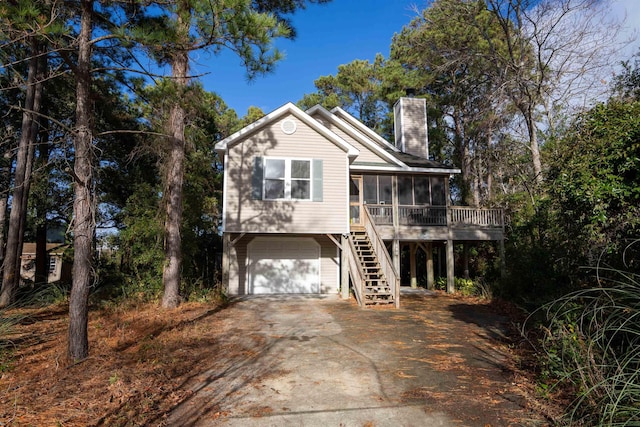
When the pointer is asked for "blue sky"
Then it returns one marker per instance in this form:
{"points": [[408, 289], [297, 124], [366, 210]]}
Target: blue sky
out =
{"points": [[328, 35]]}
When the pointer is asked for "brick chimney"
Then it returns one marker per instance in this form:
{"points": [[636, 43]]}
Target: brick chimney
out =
{"points": [[410, 126]]}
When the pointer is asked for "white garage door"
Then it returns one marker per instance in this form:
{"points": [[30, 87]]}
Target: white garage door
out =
{"points": [[284, 265]]}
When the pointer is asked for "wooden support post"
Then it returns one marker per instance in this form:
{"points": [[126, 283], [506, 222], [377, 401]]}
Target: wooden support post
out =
{"points": [[465, 259], [226, 247], [396, 255], [451, 285], [428, 250], [503, 263], [439, 255], [344, 266], [413, 249]]}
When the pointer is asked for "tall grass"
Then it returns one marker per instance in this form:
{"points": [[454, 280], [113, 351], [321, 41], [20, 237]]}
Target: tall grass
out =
{"points": [[591, 346]]}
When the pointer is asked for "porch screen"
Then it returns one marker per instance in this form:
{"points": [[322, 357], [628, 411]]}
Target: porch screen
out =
{"points": [[421, 193], [377, 189], [414, 190], [405, 192], [437, 191]]}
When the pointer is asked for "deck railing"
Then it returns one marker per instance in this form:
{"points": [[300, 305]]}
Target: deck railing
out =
{"points": [[418, 215], [381, 214], [459, 215], [436, 216], [356, 272]]}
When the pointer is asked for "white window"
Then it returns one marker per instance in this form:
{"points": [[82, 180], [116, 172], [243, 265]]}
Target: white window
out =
{"points": [[52, 264], [287, 179]]}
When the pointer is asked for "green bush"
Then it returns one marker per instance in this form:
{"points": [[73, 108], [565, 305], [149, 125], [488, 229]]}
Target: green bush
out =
{"points": [[200, 291], [467, 287]]}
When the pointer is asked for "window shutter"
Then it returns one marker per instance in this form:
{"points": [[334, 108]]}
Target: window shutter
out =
{"points": [[317, 180], [256, 179]]}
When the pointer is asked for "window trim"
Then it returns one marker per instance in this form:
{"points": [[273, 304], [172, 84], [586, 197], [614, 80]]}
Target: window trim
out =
{"points": [[287, 178]]}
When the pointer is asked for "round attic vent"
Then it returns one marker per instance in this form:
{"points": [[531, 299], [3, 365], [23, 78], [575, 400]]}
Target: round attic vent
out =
{"points": [[288, 126]]}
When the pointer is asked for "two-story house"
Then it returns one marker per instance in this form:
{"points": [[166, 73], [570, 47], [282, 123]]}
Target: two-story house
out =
{"points": [[315, 202]]}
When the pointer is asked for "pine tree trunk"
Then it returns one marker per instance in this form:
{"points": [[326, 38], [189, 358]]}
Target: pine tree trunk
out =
{"points": [[175, 168], [83, 221], [42, 261], [465, 161], [5, 179], [477, 181], [11, 272], [26, 186], [173, 189]]}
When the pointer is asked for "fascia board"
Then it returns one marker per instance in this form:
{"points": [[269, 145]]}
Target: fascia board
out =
{"points": [[366, 168]]}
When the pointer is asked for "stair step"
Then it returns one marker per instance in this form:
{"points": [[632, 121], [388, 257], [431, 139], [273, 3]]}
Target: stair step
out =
{"points": [[377, 297], [378, 288], [377, 302]]}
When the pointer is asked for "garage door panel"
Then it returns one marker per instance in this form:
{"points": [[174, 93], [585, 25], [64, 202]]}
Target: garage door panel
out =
{"points": [[284, 266]]}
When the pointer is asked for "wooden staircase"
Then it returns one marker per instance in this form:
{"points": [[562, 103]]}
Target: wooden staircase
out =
{"points": [[376, 288]]}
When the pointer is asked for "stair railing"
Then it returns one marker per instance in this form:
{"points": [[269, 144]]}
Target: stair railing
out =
{"points": [[393, 279], [356, 272]]}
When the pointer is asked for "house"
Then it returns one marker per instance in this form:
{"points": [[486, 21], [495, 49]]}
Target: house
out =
{"points": [[57, 270], [315, 202]]}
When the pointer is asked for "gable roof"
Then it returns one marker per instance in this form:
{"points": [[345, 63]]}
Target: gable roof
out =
{"points": [[408, 161], [353, 132], [288, 108], [52, 248], [398, 161]]}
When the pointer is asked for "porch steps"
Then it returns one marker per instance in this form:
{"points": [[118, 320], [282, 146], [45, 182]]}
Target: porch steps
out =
{"points": [[376, 289]]}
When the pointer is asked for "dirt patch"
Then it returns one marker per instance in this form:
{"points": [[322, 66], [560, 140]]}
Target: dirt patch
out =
{"points": [[144, 360], [139, 357]]}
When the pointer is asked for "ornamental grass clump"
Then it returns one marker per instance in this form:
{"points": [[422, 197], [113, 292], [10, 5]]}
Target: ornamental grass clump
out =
{"points": [[591, 348]]}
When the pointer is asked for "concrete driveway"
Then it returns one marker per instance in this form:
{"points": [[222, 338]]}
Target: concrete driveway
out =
{"points": [[305, 361]]}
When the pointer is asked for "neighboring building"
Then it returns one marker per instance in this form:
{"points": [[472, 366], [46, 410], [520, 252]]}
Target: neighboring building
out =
{"points": [[315, 200], [57, 270]]}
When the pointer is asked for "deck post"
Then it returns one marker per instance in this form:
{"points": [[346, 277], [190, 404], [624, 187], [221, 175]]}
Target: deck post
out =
{"points": [[503, 263], [413, 249], [451, 285], [428, 248], [396, 255], [344, 266], [465, 259], [226, 264]]}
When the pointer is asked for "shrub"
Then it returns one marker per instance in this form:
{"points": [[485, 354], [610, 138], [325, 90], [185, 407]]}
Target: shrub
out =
{"points": [[590, 346], [467, 287]]}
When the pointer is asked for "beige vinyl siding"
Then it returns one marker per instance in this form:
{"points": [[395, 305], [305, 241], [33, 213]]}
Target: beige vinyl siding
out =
{"points": [[366, 154], [329, 265], [243, 214]]}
